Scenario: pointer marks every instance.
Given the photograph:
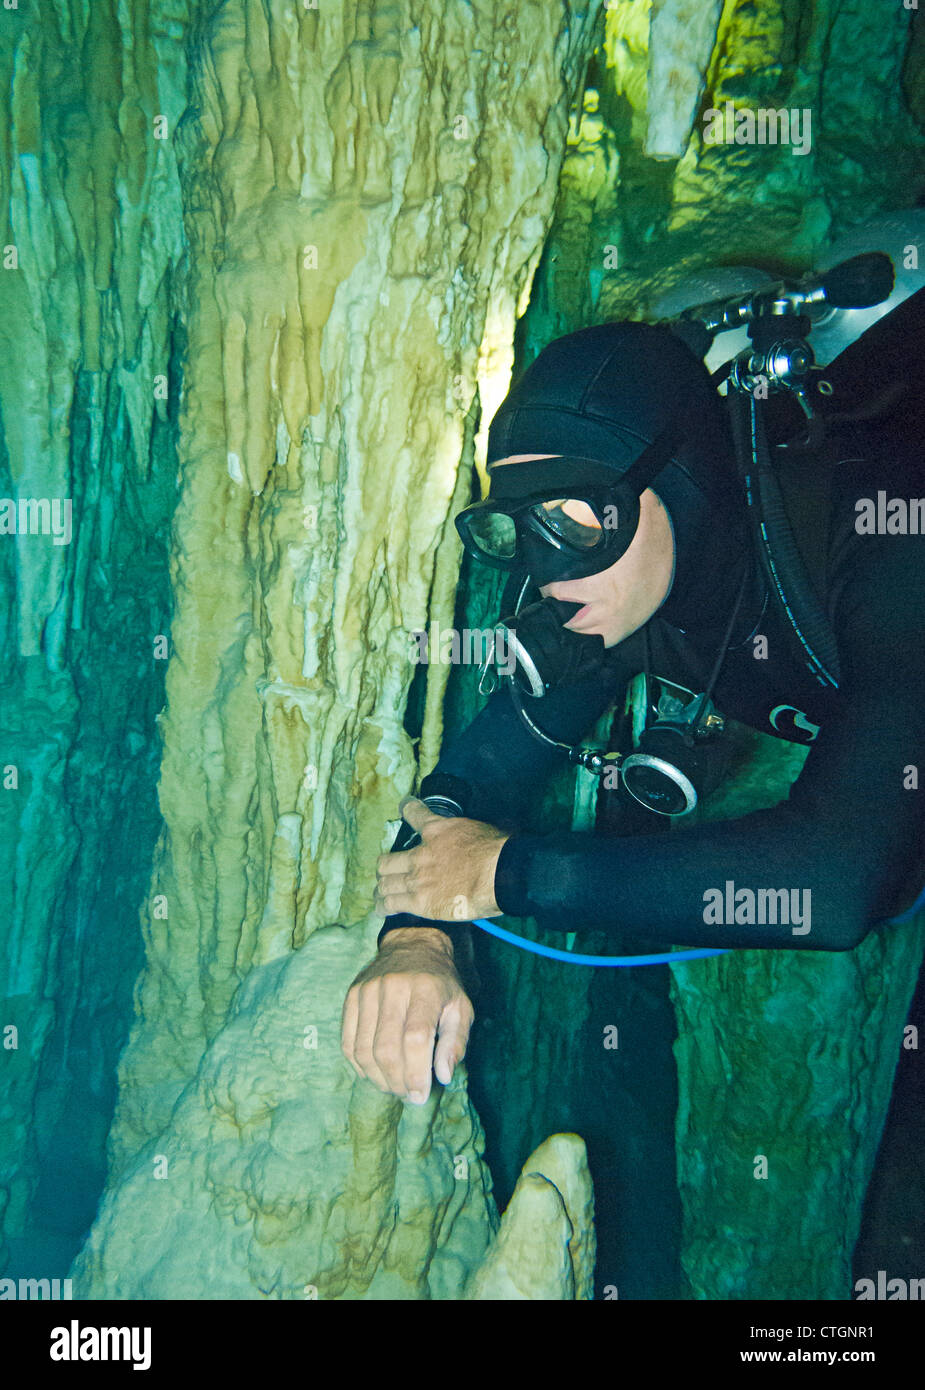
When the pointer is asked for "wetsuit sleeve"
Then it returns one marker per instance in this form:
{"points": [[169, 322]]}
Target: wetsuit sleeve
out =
{"points": [[504, 766], [848, 834]]}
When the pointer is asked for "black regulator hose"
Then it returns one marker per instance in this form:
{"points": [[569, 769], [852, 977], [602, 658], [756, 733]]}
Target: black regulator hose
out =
{"points": [[777, 550]]}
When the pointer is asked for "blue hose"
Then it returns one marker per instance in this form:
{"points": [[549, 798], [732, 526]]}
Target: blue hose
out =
{"points": [[661, 958]]}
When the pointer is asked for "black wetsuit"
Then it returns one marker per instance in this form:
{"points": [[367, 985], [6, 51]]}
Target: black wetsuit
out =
{"points": [[851, 830]]}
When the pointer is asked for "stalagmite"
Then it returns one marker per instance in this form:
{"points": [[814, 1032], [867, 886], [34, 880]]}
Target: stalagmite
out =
{"points": [[278, 1176], [545, 1246]]}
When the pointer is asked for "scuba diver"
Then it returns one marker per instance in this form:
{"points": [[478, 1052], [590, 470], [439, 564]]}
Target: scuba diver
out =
{"points": [[756, 556]]}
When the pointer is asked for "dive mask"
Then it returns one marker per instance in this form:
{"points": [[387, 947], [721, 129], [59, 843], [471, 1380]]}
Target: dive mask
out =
{"points": [[564, 521], [563, 517]]}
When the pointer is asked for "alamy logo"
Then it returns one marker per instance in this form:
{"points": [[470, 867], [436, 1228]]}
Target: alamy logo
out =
{"points": [[731, 906], [893, 1290], [76, 1343], [36, 516], [471, 647], [40, 1289], [766, 126], [900, 516]]}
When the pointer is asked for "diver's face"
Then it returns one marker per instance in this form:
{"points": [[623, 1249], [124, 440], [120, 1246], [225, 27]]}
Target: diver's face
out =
{"points": [[618, 600]]}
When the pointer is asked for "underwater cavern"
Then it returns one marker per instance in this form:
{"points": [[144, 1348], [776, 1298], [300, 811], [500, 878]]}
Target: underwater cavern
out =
{"points": [[285, 290]]}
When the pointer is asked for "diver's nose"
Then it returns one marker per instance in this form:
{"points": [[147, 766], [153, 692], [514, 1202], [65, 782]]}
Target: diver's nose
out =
{"points": [[554, 590]]}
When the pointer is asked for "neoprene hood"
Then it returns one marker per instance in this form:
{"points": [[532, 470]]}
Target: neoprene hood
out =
{"points": [[607, 391]]}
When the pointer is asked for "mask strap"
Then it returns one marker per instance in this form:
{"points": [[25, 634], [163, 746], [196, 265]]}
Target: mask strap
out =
{"points": [[652, 460], [719, 376]]}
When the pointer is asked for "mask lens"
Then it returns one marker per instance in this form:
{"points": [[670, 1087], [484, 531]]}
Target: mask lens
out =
{"points": [[572, 520], [494, 533]]}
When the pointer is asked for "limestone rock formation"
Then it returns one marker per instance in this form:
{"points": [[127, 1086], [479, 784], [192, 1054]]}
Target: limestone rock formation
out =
{"points": [[681, 38], [545, 1247], [278, 1175]]}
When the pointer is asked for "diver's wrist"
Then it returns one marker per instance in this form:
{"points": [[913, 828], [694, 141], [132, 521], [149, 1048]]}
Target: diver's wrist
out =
{"points": [[416, 936]]}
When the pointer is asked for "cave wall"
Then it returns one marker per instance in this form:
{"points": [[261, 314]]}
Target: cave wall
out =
{"points": [[786, 1061]]}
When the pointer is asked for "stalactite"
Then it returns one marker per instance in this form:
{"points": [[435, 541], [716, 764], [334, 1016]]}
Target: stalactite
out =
{"points": [[681, 38]]}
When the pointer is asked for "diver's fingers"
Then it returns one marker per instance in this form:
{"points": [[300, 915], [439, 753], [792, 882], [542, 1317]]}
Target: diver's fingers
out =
{"points": [[398, 900], [350, 1016], [418, 1042], [453, 1037], [367, 1046], [398, 863]]}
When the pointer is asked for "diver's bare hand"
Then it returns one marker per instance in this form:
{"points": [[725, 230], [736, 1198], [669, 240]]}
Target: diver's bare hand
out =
{"points": [[449, 876], [407, 998]]}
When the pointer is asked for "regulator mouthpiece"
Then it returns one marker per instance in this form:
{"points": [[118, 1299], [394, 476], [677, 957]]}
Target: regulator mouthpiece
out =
{"points": [[537, 653]]}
